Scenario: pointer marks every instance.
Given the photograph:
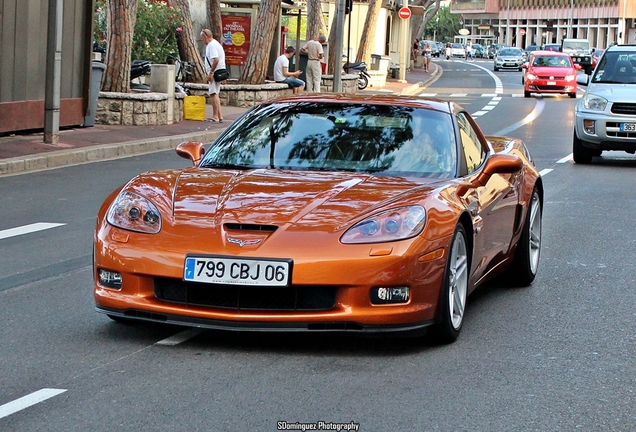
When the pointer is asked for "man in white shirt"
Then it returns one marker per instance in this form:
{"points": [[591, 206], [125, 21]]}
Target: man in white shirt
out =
{"points": [[315, 53], [282, 74], [214, 60]]}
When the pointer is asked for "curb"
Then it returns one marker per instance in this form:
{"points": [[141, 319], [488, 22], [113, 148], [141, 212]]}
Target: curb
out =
{"points": [[61, 158], [415, 88]]}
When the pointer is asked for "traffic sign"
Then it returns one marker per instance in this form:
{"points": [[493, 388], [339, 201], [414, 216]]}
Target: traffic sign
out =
{"points": [[404, 13]]}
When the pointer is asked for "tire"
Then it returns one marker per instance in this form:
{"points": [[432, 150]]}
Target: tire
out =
{"points": [[580, 153], [496, 69], [452, 301], [572, 95], [526, 261], [363, 82], [526, 94]]}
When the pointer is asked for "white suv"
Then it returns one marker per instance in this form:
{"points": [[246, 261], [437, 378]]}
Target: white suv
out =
{"points": [[605, 118]]}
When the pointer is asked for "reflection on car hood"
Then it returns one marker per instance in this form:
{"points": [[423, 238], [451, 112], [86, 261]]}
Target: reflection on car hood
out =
{"points": [[277, 197], [614, 92]]}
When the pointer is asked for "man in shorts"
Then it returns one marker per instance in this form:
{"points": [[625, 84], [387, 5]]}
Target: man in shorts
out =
{"points": [[282, 74], [214, 60]]}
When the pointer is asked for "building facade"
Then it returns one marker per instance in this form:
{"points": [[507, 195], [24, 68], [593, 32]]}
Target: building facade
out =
{"points": [[537, 22]]}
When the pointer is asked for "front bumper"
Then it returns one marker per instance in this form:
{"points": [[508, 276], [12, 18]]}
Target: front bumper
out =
{"points": [[607, 134]]}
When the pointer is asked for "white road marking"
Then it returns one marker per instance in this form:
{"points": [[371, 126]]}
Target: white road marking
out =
{"points": [[27, 229], [180, 337], [568, 158], [545, 171], [458, 95], [28, 400], [536, 112], [480, 113]]}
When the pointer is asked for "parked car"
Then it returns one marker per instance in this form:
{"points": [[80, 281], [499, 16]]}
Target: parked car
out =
{"points": [[474, 49], [494, 49], [552, 47], [508, 58], [480, 52], [550, 72], [324, 213], [605, 117], [457, 50], [596, 56]]}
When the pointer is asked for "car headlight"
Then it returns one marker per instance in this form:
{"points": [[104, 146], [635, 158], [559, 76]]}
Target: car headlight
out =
{"points": [[133, 212], [391, 225], [570, 77], [531, 77], [594, 102]]}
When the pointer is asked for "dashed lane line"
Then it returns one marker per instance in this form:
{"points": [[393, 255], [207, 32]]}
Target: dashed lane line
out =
{"points": [[28, 400], [27, 229]]}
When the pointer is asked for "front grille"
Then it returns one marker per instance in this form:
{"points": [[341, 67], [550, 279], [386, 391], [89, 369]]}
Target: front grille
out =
{"points": [[551, 78], [613, 129], [556, 88], [241, 297], [623, 108]]}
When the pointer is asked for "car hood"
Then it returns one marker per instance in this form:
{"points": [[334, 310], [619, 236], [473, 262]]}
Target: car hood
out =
{"points": [[550, 71], [614, 92], [275, 197]]}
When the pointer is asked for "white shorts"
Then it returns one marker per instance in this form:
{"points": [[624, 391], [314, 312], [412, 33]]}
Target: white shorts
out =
{"points": [[214, 87]]}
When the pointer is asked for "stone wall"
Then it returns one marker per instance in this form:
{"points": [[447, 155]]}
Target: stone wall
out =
{"points": [[132, 109], [143, 109]]}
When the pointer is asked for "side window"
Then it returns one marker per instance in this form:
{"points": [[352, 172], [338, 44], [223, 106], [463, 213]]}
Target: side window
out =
{"points": [[473, 152]]}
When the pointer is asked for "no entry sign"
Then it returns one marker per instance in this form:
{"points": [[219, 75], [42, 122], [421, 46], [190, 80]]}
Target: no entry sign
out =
{"points": [[404, 13]]}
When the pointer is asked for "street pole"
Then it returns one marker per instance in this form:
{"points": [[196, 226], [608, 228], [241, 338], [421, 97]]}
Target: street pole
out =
{"points": [[405, 52], [53, 73], [570, 27], [508, 25]]}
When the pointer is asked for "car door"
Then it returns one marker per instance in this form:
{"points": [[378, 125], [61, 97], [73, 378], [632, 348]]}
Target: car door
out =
{"points": [[493, 207]]}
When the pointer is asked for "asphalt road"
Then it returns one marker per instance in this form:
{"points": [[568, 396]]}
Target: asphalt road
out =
{"points": [[557, 356]]}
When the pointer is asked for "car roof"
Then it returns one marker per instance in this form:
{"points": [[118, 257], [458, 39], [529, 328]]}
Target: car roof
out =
{"points": [[626, 47], [550, 53]]}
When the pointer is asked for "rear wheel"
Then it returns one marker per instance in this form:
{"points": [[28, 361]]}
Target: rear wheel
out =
{"points": [[580, 153], [452, 300], [526, 261], [363, 82]]}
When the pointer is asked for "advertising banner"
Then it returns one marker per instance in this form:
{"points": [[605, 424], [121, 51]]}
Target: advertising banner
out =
{"points": [[236, 38]]}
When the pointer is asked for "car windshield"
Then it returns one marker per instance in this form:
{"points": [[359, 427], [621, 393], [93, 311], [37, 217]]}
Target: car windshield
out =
{"points": [[378, 139], [576, 45], [552, 61], [457, 45], [509, 52], [616, 67]]}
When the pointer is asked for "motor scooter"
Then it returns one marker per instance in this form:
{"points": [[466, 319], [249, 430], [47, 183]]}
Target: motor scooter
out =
{"points": [[138, 69], [361, 69]]}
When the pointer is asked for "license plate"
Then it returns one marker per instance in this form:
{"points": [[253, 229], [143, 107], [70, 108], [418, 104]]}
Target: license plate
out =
{"points": [[628, 127], [551, 82], [237, 271]]}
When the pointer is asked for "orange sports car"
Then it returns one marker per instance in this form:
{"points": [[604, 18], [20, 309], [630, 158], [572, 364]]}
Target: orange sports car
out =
{"points": [[324, 212]]}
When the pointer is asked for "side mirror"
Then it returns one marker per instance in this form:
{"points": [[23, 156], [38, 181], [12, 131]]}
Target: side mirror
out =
{"points": [[582, 79], [192, 150], [499, 164], [525, 65]]}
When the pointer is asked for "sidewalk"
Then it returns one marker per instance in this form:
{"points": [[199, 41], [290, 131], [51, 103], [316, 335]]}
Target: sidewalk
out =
{"points": [[25, 152]]}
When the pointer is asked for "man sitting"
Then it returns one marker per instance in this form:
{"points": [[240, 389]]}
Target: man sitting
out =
{"points": [[282, 74]]}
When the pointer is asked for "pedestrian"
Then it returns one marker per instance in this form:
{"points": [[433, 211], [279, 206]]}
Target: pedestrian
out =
{"points": [[315, 54], [416, 50], [449, 51], [214, 60], [428, 53], [282, 74], [469, 50]]}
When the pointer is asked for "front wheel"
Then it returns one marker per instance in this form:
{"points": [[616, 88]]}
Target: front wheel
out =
{"points": [[572, 95], [526, 261], [526, 94], [580, 153], [452, 302], [363, 82]]}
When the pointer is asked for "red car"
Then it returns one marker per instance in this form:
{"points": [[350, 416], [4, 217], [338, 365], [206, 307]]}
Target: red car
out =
{"points": [[550, 72], [596, 56]]}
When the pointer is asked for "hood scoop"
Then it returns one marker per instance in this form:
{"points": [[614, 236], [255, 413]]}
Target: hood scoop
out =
{"points": [[250, 227]]}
